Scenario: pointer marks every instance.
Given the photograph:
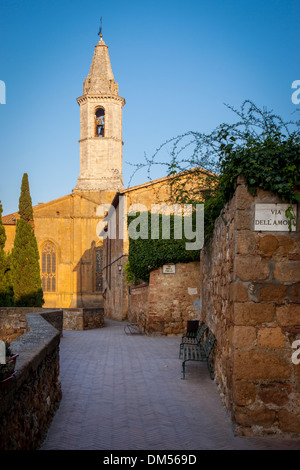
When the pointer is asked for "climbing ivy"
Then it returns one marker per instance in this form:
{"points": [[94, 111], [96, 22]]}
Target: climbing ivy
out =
{"points": [[147, 254]]}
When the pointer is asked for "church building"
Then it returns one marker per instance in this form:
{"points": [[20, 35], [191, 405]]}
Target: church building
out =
{"points": [[75, 271], [66, 228]]}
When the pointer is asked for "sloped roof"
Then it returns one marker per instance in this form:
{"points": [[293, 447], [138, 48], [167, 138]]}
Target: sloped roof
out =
{"points": [[10, 219], [159, 180]]}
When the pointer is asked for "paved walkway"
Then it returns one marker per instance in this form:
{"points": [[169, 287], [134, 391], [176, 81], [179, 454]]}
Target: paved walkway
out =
{"points": [[125, 393]]}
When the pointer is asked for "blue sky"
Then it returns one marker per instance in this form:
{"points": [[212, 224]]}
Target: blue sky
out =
{"points": [[176, 63]]}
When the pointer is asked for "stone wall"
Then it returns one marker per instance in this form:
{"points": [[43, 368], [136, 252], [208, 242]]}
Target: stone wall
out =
{"points": [[13, 320], [169, 301], [29, 402], [83, 318], [12, 325], [216, 301], [250, 298], [138, 302]]}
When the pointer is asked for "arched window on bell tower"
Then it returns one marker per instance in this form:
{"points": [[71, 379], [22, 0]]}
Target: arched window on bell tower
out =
{"points": [[99, 122]]}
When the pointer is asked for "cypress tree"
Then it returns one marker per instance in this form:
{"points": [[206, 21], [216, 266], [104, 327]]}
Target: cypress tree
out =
{"points": [[25, 203], [6, 293], [25, 268]]}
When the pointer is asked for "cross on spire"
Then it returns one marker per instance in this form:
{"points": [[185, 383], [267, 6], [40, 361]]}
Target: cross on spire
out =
{"points": [[100, 30]]}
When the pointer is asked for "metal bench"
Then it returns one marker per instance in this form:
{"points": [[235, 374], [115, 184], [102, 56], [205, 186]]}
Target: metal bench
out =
{"points": [[187, 338], [199, 352], [191, 327], [136, 328]]}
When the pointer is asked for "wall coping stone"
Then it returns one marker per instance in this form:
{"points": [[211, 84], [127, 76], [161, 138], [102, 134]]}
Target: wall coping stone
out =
{"points": [[44, 312], [144, 284], [33, 346]]}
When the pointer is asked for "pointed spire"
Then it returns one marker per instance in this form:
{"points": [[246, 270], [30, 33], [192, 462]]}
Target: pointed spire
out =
{"points": [[100, 79]]}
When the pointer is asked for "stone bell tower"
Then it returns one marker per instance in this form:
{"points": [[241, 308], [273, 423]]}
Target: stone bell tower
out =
{"points": [[100, 127]]}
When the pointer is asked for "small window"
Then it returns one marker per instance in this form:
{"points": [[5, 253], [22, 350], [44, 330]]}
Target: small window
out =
{"points": [[49, 268], [99, 122]]}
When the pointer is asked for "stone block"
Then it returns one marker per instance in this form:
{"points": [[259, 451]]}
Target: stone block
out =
{"points": [[287, 271], [274, 397], [287, 244], [243, 221], [245, 393], [243, 198], [297, 399], [252, 314], [273, 292], [239, 292], [244, 336], [288, 315], [254, 365], [251, 268], [266, 197], [261, 417], [296, 368], [268, 244], [245, 242], [289, 422], [270, 338], [241, 180]]}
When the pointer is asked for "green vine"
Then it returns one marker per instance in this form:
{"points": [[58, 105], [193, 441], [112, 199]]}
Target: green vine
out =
{"points": [[259, 146], [291, 216], [147, 253]]}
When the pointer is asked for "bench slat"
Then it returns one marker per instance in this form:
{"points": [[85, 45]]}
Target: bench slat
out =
{"points": [[193, 340], [198, 352]]}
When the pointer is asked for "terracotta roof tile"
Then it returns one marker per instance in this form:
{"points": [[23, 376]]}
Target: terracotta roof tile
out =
{"points": [[10, 219]]}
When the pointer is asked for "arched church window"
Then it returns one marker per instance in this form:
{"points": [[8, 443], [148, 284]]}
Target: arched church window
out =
{"points": [[49, 260], [99, 268], [99, 122]]}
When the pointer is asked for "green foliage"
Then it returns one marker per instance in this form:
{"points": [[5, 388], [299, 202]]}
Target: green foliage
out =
{"points": [[269, 159], [25, 269], [6, 289], [147, 254], [272, 164], [25, 203], [130, 278], [259, 145]]}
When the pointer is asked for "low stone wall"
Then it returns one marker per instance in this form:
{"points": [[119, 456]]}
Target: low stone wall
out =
{"points": [[250, 284], [169, 301], [29, 402], [12, 325], [83, 318], [13, 320]]}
